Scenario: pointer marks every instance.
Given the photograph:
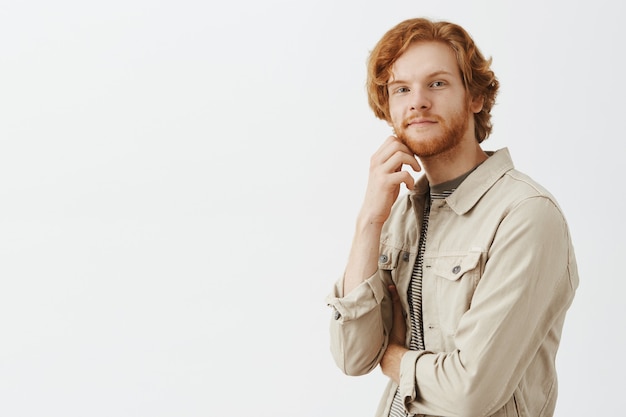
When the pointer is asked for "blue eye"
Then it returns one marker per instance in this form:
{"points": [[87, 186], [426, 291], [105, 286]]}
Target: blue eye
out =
{"points": [[402, 90], [438, 84]]}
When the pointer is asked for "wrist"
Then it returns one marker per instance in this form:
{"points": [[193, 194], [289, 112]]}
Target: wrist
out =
{"points": [[391, 361], [367, 220]]}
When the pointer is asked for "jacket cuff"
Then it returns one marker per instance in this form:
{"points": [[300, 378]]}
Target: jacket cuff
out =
{"points": [[360, 301], [408, 376]]}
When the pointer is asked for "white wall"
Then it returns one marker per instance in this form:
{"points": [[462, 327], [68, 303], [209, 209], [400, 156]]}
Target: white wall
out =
{"points": [[179, 180]]}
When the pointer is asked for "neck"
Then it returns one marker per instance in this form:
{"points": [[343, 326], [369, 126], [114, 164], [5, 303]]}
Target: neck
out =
{"points": [[453, 163]]}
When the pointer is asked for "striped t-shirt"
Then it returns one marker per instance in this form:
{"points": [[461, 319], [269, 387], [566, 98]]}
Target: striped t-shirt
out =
{"points": [[414, 295]]}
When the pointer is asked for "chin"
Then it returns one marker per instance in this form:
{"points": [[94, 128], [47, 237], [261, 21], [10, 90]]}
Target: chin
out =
{"points": [[429, 147], [420, 146]]}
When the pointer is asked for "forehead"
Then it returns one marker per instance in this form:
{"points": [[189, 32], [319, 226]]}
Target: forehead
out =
{"points": [[424, 58]]}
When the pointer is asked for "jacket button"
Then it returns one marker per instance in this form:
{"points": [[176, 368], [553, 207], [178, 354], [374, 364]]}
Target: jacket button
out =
{"points": [[336, 315], [456, 269], [383, 258], [405, 257]]}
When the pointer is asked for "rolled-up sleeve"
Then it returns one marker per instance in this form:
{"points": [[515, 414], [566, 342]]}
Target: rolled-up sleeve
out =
{"points": [[359, 325]]}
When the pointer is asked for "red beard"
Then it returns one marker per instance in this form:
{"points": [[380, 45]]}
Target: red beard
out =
{"points": [[425, 144]]}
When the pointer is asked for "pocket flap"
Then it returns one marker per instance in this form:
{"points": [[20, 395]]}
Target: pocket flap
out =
{"points": [[453, 267]]}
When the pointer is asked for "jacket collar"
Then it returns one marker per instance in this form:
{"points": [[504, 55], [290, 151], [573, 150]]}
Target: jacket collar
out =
{"points": [[476, 184]]}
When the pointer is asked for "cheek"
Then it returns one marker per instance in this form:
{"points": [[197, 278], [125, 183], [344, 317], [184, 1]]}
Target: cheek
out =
{"points": [[395, 111], [395, 121]]}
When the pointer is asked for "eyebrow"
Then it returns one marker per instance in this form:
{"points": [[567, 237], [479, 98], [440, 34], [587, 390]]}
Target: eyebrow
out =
{"points": [[431, 75]]}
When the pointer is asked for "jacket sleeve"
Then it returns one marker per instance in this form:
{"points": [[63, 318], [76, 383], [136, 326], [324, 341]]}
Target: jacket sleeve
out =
{"points": [[517, 310], [360, 324]]}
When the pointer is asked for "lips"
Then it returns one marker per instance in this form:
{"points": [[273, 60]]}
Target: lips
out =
{"points": [[421, 122]]}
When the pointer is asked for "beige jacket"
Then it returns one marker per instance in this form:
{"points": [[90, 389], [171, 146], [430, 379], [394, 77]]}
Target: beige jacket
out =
{"points": [[499, 275]]}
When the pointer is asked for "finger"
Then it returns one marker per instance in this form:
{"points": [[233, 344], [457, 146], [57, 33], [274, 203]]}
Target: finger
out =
{"points": [[414, 163], [395, 297], [394, 150], [402, 177], [388, 148], [398, 159]]}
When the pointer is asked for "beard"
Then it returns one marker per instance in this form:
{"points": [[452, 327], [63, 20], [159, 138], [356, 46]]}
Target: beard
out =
{"points": [[432, 144]]}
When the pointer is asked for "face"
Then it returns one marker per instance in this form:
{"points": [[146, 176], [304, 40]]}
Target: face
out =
{"points": [[429, 107]]}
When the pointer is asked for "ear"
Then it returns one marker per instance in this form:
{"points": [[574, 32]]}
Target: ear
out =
{"points": [[476, 105]]}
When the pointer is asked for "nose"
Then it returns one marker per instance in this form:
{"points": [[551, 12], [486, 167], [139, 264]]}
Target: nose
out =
{"points": [[420, 99]]}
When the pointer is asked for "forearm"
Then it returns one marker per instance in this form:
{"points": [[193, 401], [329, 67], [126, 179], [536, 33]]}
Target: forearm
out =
{"points": [[390, 363], [358, 326], [363, 259]]}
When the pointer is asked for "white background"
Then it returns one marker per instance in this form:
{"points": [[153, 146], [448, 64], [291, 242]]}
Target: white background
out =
{"points": [[179, 182]]}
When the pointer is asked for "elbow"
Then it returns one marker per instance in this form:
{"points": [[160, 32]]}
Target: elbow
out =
{"points": [[356, 365], [356, 371], [354, 351]]}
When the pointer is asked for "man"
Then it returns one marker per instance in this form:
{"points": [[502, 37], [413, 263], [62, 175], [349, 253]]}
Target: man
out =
{"points": [[459, 288]]}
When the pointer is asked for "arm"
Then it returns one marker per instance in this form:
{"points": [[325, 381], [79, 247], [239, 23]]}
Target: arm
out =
{"points": [[361, 320], [385, 177]]}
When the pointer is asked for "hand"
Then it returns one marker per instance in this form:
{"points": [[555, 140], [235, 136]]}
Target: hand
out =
{"points": [[390, 362], [398, 329], [385, 177]]}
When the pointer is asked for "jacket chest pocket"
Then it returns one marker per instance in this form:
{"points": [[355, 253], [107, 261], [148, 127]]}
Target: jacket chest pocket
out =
{"points": [[449, 284]]}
